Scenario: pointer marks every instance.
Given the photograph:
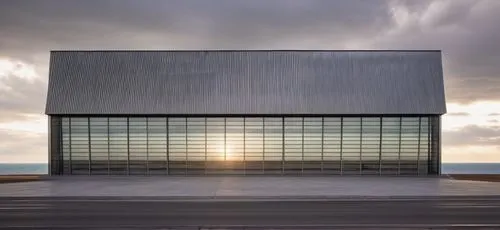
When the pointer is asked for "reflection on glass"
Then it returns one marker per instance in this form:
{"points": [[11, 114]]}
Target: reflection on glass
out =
{"points": [[283, 145]]}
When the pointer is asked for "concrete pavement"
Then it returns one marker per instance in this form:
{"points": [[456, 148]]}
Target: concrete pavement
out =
{"points": [[249, 202], [249, 186]]}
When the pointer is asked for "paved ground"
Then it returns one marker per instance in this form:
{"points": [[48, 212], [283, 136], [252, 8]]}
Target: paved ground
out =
{"points": [[282, 202], [68, 213], [249, 186]]}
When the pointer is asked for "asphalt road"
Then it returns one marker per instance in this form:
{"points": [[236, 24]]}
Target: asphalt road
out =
{"points": [[103, 213]]}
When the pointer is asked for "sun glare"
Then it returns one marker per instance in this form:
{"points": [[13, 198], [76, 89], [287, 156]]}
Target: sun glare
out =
{"points": [[225, 151]]}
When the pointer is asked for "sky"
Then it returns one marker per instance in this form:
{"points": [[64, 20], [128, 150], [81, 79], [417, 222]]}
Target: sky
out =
{"points": [[466, 31]]}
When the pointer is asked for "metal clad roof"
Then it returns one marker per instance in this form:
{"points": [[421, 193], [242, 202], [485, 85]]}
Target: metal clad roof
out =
{"points": [[245, 82]]}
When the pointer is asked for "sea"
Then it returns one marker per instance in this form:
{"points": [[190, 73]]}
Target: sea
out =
{"points": [[446, 168]]}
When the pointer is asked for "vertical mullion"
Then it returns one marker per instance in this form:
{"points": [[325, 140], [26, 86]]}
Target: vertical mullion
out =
{"points": [[244, 147], [205, 164], [90, 146], [147, 146], [341, 145], [168, 147], [109, 168], [418, 144], [360, 145], [282, 145], [399, 145], [60, 148], [186, 147], [322, 140], [225, 148], [429, 164], [128, 146], [438, 157], [70, 145], [380, 148], [263, 145], [302, 162]]}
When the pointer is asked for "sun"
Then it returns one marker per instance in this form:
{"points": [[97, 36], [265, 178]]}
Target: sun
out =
{"points": [[225, 151]]}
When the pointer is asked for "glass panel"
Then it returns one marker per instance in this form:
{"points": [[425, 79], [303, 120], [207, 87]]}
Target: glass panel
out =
{"points": [[251, 145], [118, 146], [157, 146], [351, 145], [196, 145], [313, 155], [293, 145], [99, 147], [254, 145], [273, 145], [390, 145], [177, 145], [79, 148], [370, 145]]}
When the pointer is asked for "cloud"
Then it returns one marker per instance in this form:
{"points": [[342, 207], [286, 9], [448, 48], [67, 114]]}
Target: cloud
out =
{"points": [[494, 114], [472, 135], [465, 31], [458, 114], [192, 24], [494, 121], [22, 91]]}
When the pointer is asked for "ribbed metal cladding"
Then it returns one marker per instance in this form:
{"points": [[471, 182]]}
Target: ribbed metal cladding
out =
{"points": [[245, 82]]}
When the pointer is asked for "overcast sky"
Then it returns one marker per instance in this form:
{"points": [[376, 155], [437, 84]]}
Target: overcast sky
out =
{"points": [[467, 32]]}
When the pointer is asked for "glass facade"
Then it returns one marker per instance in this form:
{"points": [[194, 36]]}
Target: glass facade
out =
{"points": [[371, 145]]}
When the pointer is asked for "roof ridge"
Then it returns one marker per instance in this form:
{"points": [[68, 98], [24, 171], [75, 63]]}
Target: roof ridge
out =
{"points": [[243, 50]]}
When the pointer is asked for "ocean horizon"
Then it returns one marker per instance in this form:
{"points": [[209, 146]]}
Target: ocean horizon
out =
{"points": [[446, 168]]}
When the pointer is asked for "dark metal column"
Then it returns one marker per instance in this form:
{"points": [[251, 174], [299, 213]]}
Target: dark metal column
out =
{"points": [[322, 140], [282, 145], [225, 147], [263, 146], [302, 162], [418, 144], [107, 129], [90, 147], [55, 166], [147, 146], [186, 145], [168, 147], [361, 145], [205, 164], [380, 148], [341, 143], [244, 147], [399, 146], [70, 145], [128, 146], [429, 150], [438, 163]]}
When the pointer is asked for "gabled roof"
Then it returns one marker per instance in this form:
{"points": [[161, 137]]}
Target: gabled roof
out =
{"points": [[245, 82]]}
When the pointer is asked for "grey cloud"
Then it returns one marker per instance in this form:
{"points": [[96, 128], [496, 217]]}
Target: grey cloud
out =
{"points": [[472, 135], [493, 121], [24, 97], [30, 29], [467, 32], [458, 114], [494, 114], [109, 24]]}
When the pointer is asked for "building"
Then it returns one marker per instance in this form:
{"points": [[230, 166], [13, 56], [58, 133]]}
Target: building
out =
{"points": [[245, 112]]}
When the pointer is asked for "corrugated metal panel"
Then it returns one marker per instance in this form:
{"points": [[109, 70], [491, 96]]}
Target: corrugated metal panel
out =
{"points": [[246, 82]]}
